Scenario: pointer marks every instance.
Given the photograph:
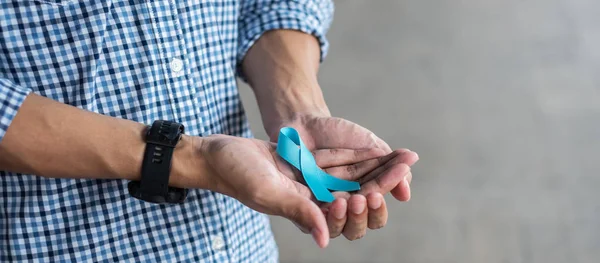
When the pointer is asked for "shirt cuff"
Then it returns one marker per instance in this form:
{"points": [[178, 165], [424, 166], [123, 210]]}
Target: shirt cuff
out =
{"points": [[308, 18], [11, 99]]}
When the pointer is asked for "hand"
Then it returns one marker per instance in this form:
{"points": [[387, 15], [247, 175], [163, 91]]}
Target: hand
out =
{"points": [[389, 169], [251, 171], [281, 68]]}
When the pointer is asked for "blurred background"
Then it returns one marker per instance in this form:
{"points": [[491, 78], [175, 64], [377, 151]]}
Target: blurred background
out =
{"points": [[501, 99]]}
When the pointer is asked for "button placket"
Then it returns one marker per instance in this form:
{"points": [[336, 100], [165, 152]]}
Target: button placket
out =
{"points": [[172, 52]]}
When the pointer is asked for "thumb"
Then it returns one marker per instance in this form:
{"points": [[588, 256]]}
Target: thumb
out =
{"points": [[304, 213]]}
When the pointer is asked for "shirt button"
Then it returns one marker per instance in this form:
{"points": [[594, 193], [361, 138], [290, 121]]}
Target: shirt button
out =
{"points": [[217, 243], [176, 65]]}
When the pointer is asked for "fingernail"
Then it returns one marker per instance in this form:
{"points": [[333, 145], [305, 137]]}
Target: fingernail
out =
{"points": [[376, 202], [339, 213], [358, 207]]}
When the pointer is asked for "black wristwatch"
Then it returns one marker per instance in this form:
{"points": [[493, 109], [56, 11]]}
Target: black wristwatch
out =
{"points": [[161, 139]]}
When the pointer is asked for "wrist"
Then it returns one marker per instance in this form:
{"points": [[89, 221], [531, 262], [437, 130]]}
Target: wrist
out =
{"points": [[298, 106], [188, 166], [291, 104], [296, 120]]}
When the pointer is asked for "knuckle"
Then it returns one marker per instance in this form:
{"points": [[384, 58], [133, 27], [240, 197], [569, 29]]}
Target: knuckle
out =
{"points": [[351, 169], [333, 151]]}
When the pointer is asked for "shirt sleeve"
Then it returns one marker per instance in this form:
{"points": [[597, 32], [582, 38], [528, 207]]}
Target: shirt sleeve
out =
{"points": [[11, 98], [259, 16]]}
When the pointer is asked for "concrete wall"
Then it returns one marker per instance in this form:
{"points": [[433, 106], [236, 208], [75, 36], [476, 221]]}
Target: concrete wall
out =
{"points": [[501, 99]]}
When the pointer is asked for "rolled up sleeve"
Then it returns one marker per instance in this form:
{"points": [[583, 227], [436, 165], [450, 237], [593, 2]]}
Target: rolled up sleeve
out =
{"points": [[11, 98], [259, 16]]}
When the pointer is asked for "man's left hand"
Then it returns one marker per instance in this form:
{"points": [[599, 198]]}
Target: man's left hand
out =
{"points": [[379, 171]]}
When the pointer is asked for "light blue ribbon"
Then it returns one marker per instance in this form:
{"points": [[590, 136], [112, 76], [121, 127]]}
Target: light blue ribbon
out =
{"points": [[291, 148]]}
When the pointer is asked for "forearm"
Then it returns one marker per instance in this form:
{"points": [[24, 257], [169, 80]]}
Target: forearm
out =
{"points": [[55, 140], [281, 67]]}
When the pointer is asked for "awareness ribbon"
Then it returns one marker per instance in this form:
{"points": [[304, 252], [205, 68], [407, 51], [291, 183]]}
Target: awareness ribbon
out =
{"points": [[291, 148]]}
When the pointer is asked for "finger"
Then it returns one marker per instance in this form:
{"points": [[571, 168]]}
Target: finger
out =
{"points": [[402, 191], [409, 158], [355, 171], [399, 156], [356, 224], [394, 173], [336, 217], [378, 213], [305, 192], [303, 212], [338, 157]]}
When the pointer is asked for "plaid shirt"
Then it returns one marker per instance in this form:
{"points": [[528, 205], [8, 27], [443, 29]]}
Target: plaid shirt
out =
{"points": [[140, 60]]}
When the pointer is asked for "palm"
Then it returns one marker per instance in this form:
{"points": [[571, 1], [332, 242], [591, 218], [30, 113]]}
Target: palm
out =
{"points": [[251, 167]]}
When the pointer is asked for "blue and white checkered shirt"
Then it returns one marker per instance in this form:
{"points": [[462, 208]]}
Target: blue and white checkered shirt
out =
{"points": [[140, 60]]}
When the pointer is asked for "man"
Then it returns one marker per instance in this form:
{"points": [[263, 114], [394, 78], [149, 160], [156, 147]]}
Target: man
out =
{"points": [[80, 80]]}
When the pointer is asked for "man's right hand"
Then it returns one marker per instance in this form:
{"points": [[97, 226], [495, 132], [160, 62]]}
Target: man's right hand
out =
{"points": [[251, 171]]}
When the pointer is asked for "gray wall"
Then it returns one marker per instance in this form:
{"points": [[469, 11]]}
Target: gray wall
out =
{"points": [[500, 98]]}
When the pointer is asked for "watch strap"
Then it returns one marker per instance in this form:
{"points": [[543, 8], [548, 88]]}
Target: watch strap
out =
{"points": [[161, 139]]}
